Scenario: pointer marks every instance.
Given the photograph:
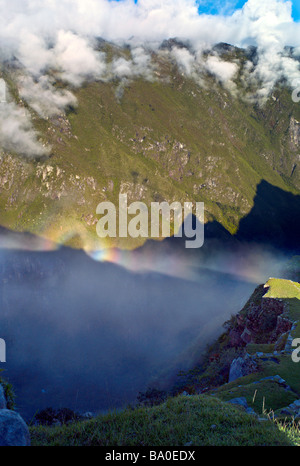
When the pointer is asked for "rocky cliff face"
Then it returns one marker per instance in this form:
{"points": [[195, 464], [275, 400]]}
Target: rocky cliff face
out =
{"points": [[295, 134], [264, 321], [261, 331]]}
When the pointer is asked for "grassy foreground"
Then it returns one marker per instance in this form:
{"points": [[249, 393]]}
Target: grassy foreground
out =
{"points": [[185, 420]]}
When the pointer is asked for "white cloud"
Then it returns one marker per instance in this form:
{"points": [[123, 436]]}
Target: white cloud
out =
{"points": [[185, 59], [268, 25], [59, 35], [16, 132], [76, 60], [42, 96], [139, 64], [223, 70]]}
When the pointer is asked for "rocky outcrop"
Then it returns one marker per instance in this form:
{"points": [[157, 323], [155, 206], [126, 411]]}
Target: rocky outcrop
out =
{"points": [[294, 133], [242, 402], [241, 366], [264, 321], [13, 429], [292, 410], [283, 326]]}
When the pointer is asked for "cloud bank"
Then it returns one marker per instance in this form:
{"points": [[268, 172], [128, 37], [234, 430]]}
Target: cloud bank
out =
{"points": [[17, 133], [58, 39]]}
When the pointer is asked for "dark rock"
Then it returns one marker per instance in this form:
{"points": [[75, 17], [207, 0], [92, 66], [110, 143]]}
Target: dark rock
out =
{"points": [[235, 338], [13, 430], [280, 343], [246, 336], [240, 367], [240, 402]]}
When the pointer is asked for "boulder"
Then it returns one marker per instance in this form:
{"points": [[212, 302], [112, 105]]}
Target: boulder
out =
{"points": [[240, 367], [240, 402], [13, 429]]}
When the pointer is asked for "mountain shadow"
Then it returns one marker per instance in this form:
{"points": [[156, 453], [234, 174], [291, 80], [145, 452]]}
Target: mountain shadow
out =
{"points": [[273, 223], [274, 219]]}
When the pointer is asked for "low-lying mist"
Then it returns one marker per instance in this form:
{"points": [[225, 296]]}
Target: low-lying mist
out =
{"points": [[90, 335]]}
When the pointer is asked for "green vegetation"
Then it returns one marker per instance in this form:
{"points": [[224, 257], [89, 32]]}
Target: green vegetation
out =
{"points": [[263, 397], [289, 291], [253, 348], [169, 139], [283, 289], [195, 420], [8, 392], [285, 368]]}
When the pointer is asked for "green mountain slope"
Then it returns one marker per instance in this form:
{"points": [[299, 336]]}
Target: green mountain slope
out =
{"points": [[166, 139]]}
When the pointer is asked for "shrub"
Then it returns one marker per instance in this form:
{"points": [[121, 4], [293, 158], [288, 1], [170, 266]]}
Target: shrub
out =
{"points": [[151, 397]]}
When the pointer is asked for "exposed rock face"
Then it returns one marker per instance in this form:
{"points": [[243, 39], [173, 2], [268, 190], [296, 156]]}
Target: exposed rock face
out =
{"points": [[283, 326], [294, 133], [13, 430], [235, 338], [240, 367], [264, 322], [262, 318]]}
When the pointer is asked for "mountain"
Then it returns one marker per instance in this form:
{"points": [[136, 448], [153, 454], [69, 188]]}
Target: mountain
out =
{"points": [[172, 137]]}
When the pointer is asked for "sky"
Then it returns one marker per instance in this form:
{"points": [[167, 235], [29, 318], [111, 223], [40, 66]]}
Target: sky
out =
{"points": [[296, 10], [228, 7]]}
